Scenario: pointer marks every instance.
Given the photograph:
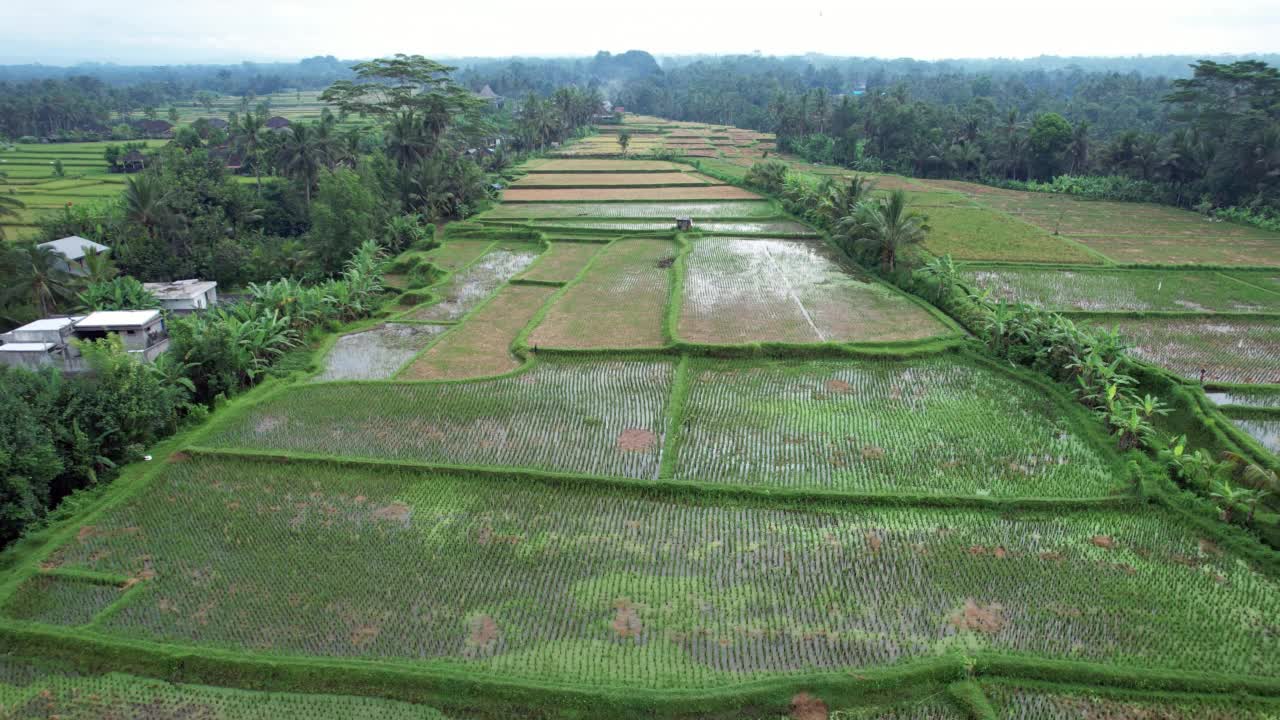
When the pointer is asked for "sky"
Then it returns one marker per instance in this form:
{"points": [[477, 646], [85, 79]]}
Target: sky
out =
{"points": [[193, 31]]}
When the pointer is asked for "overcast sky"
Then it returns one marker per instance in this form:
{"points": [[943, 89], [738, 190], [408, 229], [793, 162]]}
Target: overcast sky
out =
{"points": [[179, 31]]}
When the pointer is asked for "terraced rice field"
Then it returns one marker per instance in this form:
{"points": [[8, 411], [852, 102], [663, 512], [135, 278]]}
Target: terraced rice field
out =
{"points": [[1131, 232], [618, 302], [670, 210], [27, 174], [622, 477], [1098, 290], [935, 426], [37, 689], [772, 228], [715, 192], [376, 354], [469, 286], [598, 179], [1034, 701], [482, 346], [1266, 430], [979, 234], [599, 417], [573, 583], [562, 261], [1236, 350], [739, 290]]}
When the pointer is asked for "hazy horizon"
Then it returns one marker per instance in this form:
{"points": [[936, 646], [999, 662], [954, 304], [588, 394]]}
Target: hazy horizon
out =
{"points": [[237, 31]]}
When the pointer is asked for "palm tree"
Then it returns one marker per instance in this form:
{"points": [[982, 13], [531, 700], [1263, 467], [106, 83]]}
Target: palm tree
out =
{"points": [[406, 140], [98, 266], [38, 276], [840, 201], [301, 157], [887, 226], [250, 138], [1078, 150], [146, 203]]}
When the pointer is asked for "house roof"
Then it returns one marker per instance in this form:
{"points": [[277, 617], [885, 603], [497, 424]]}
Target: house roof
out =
{"points": [[117, 318], [74, 247], [46, 324], [27, 347], [277, 122], [487, 93], [134, 156], [216, 122], [180, 289]]}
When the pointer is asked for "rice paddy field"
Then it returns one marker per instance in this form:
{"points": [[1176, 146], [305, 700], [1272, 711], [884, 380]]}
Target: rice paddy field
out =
{"points": [[1066, 290], [622, 471], [27, 174], [740, 290], [1237, 350]]}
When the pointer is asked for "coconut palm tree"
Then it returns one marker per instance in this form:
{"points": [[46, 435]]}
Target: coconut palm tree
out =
{"points": [[887, 227], [37, 276], [146, 203], [250, 138], [302, 157]]}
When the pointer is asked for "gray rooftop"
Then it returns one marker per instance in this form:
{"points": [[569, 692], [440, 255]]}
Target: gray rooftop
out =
{"points": [[74, 247], [180, 289]]}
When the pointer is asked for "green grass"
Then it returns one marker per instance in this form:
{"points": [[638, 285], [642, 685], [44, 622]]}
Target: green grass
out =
{"points": [[583, 585], [35, 688], [1099, 290], [981, 234]]}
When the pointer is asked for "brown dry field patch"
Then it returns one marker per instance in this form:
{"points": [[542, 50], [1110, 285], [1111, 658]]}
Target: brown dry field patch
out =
{"points": [[619, 303], [480, 346], [716, 192], [620, 179], [589, 165]]}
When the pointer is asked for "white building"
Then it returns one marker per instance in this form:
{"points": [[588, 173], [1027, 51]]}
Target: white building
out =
{"points": [[48, 341], [37, 343], [73, 249], [185, 295]]}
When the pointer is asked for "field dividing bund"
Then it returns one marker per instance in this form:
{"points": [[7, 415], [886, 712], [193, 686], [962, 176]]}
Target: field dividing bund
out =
{"points": [[581, 585], [481, 346], [739, 290], [619, 301]]}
